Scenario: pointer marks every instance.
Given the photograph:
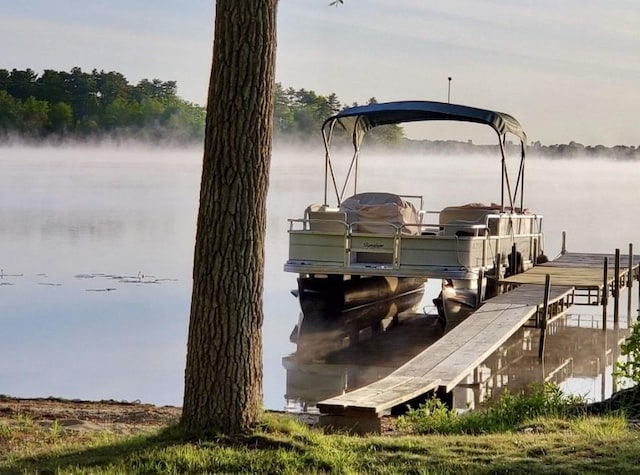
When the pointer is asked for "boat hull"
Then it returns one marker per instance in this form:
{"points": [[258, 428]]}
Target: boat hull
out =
{"points": [[334, 294]]}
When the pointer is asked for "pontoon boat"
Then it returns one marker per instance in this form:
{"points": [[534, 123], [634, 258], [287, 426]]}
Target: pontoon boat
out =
{"points": [[374, 245]]}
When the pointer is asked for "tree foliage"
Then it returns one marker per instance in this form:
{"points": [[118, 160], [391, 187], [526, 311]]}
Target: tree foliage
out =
{"points": [[79, 104], [299, 115], [629, 368], [302, 112]]}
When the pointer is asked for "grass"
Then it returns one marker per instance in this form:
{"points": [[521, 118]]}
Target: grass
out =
{"points": [[281, 445], [507, 413], [541, 432], [23, 439]]}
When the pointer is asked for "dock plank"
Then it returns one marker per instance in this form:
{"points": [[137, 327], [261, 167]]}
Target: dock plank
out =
{"points": [[378, 396], [578, 277], [532, 294], [580, 259], [446, 347], [471, 350]]}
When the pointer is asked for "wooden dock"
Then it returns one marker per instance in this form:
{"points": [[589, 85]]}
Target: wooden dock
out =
{"points": [[595, 277], [449, 360], [444, 364], [583, 271]]}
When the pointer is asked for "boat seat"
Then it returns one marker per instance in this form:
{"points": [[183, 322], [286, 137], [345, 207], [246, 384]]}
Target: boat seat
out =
{"points": [[474, 213], [369, 209], [325, 219]]}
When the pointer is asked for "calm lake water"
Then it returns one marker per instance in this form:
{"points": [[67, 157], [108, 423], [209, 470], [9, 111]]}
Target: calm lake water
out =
{"points": [[96, 249]]}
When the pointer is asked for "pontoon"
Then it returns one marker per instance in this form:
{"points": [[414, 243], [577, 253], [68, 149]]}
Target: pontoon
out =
{"points": [[374, 245]]}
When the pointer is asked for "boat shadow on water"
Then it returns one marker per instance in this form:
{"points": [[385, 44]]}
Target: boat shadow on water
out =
{"points": [[341, 350]]}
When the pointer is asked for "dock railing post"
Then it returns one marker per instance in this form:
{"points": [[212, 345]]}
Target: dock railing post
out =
{"points": [[638, 279], [480, 288], [543, 320], [616, 287], [629, 282], [498, 272], [615, 349], [630, 275], [605, 292]]}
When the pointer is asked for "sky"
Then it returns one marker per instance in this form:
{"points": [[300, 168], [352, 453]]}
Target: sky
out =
{"points": [[567, 69]]}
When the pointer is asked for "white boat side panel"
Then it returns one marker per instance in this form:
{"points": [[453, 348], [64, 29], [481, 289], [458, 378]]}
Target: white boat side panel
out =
{"points": [[317, 247], [441, 251]]}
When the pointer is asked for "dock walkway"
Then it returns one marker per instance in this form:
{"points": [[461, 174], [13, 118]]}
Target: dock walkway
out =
{"points": [[583, 271], [449, 360], [586, 273]]}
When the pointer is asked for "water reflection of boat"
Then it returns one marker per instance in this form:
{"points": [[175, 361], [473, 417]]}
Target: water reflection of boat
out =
{"points": [[369, 237], [324, 328], [578, 355], [317, 371]]}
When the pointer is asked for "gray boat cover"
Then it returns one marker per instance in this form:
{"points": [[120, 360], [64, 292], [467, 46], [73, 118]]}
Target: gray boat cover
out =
{"points": [[358, 120], [374, 210]]}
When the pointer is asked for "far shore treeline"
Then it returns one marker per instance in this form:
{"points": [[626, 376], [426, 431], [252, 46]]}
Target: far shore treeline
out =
{"points": [[81, 105], [58, 106]]}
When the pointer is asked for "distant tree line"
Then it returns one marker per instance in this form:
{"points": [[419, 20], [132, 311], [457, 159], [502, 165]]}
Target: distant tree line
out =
{"points": [[77, 104], [534, 149], [578, 150], [80, 105], [299, 115]]}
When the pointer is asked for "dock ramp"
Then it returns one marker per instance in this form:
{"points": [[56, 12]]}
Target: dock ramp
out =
{"points": [[444, 364]]}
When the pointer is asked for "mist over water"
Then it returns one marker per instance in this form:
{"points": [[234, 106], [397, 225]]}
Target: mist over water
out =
{"points": [[96, 250]]}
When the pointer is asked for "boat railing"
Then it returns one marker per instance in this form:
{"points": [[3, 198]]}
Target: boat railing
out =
{"points": [[374, 227], [325, 225], [336, 221], [382, 244]]}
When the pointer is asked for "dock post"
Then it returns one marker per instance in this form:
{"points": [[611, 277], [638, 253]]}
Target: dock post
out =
{"points": [[445, 397], [630, 267], [638, 279], [615, 349], [480, 288], [563, 251], [498, 272], [616, 287], [605, 293], [629, 282], [543, 320], [534, 258]]}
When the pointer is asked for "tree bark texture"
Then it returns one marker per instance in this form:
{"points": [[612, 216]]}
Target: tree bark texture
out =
{"points": [[223, 376]]}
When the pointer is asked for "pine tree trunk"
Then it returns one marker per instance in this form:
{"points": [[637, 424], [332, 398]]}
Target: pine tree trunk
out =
{"points": [[223, 377]]}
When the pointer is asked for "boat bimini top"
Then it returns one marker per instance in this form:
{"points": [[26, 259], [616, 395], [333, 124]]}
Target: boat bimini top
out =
{"points": [[357, 121]]}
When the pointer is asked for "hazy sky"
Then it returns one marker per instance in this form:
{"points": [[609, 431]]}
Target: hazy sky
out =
{"points": [[567, 69]]}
